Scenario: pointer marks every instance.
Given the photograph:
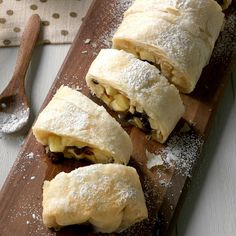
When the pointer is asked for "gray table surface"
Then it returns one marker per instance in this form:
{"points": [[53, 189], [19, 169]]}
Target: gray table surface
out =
{"points": [[210, 206]]}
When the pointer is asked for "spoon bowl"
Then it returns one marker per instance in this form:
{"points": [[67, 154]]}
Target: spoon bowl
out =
{"points": [[14, 114], [14, 109]]}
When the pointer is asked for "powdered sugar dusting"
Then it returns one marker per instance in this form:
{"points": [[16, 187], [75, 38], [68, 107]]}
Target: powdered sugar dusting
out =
{"points": [[226, 43], [67, 112], [141, 75], [90, 189], [13, 122], [181, 152], [90, 184], [146, 226], [22, 168], [28, 213], [116, 9]]}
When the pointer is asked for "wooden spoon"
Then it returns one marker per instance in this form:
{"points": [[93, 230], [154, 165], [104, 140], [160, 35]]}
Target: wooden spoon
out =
{"points": [[14, 109]]}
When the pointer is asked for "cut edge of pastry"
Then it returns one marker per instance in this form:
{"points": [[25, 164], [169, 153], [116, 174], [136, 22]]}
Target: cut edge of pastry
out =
{"points": [[157, 58], [58, 145], [129, 106], [119, 102]]}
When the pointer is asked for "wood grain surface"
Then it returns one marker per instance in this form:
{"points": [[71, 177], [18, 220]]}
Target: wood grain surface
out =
{"points": [[164, 186]]}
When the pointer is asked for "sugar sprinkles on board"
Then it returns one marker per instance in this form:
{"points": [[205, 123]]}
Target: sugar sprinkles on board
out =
{"points": [[181, 151]]}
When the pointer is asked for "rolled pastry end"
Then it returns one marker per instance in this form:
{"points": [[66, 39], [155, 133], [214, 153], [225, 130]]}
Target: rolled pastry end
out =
{"points": [[177, 36], [156, 57], [72, 125], [137, 91], [110, 197]]}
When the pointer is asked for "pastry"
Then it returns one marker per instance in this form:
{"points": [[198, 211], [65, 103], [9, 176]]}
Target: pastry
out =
{"points": [[108, 196], [74, 125], [137, 90], [178, 36], [224, 3]]}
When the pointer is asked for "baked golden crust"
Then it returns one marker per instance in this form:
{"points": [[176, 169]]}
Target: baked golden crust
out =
{"points": [[109, 196], [179, 36], [129, 85], [71, 120]]}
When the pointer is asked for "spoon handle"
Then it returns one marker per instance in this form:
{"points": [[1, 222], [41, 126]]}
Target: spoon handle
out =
{"points": [[28, 41]]}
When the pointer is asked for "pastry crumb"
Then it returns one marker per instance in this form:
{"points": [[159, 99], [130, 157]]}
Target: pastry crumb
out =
{"points": [[30, 155], [94, 45], [186, 128], [78, 88], [87, 41], [153, 160]]}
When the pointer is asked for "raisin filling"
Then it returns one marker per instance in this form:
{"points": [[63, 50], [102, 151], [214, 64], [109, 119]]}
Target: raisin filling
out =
{"points": [[57, 157], [133, 117], [78, 151], [95, 81], [221, 2], [143, 118]]}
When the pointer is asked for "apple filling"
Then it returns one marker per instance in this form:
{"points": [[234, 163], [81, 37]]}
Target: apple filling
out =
{"points": [[56, 150], [131, 112], [168, 70]]}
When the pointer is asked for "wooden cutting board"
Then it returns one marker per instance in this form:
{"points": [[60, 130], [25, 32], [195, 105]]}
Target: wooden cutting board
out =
{"points": [[164, 185]]}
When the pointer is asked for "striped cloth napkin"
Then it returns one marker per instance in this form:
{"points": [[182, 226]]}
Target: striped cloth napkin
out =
{"points": [[61, 19]]}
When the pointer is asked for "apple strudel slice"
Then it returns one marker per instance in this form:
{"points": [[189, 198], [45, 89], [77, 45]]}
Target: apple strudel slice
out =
{"points": [[74, 125], [108, 196], [137, 90], [178, 36]]}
